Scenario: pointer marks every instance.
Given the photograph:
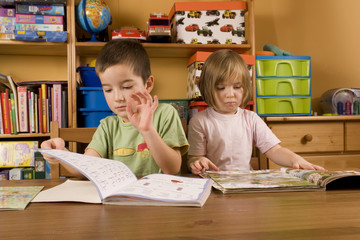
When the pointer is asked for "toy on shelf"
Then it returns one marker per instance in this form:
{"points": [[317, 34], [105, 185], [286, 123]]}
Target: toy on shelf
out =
{"points": [[158, 28], [129, 32], [93, 17]]}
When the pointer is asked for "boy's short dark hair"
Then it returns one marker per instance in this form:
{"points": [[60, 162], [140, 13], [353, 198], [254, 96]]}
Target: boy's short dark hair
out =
{"points": [[124, 51]]}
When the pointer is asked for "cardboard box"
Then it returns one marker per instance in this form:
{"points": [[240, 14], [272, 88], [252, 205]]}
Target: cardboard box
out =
{"points": [[15, 174], [41, 36], [7, 25], [195, 64], [208, 22]]}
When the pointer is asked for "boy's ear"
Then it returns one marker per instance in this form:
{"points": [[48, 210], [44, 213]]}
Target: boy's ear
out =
{"points": [[149, 84]]}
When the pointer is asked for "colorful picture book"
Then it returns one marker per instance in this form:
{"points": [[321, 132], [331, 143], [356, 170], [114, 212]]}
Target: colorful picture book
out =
{"points": [[116, 184], [17, 198], [17, 153], [282, 180]]}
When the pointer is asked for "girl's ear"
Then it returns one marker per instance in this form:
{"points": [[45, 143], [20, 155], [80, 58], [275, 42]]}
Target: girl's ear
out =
{"points": [[149, 84]]}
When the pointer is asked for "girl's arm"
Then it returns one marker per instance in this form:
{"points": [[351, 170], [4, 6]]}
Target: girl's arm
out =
{"points": [[285, 157]]}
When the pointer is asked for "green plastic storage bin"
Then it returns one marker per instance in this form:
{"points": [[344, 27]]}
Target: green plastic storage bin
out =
{"points": [[267, 106], [282, 66], [283, 86]]}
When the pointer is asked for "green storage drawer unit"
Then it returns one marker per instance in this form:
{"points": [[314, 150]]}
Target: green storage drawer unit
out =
{"points": [[280, 106], [283, 86], [282, 66]]}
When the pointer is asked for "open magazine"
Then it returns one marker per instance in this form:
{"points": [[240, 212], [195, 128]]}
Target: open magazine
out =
{"points": [[282, 180], [112, 182]]}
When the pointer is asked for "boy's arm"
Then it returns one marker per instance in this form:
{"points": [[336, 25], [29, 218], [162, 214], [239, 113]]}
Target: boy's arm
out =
{"points": [[167, 158], [59, 143], [285, 157]]}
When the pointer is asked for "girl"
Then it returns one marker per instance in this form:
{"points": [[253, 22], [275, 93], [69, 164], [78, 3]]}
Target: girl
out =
{"points": [[222, 136]]}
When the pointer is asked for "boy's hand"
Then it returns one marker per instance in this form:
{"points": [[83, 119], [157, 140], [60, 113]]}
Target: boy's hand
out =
{"points": [[145, 107], [200, 164], [53, 143]]}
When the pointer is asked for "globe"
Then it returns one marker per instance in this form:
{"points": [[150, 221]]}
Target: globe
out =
{"points": [[93, 16]]}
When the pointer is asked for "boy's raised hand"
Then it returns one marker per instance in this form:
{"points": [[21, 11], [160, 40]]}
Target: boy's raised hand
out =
{"points": [[144, 106]]}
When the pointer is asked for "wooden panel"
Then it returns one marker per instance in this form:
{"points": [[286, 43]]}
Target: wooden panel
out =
{"points": [[352, 136], [321, 136], [331, 162]]}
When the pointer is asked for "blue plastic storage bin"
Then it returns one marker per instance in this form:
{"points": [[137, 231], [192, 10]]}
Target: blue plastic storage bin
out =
{"points": [[88, 77], [90, 117], [91, 97]]}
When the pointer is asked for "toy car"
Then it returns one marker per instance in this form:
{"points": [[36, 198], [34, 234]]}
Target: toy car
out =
{"points": [[204, 31], [192, 28], [227, 28], [129, 32], [159, 28]]}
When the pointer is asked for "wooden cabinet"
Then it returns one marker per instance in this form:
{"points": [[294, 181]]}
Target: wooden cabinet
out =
{"points": [[332, 142]]}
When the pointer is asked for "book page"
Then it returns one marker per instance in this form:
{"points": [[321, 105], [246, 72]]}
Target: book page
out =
{"points": [[70, 191], [107, 175], [164, 187]]}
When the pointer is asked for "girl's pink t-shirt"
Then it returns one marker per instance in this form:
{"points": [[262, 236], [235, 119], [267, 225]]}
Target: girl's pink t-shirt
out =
{"points": [[227, 140]]}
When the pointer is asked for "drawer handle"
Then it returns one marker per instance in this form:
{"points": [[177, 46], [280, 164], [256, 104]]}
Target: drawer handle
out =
{"points": [[307, 138]]}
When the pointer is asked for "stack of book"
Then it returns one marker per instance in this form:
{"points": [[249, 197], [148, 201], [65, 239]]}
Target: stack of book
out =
{"points": [[40, 20]]}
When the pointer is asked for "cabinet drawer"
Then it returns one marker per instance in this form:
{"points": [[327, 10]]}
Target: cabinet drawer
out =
{"points": [[352, 136], [310, 137], [330, 162]]}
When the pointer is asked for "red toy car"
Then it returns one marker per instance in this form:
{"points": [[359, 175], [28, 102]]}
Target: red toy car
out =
{"points": [[227, 28], [192, 28], [129, 33]]}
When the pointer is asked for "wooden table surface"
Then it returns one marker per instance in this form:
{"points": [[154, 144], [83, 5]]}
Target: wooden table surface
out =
{"points": [[287, 215]]}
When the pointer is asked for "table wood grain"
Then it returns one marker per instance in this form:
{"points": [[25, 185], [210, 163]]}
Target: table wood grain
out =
{"points": [[288, 215]]}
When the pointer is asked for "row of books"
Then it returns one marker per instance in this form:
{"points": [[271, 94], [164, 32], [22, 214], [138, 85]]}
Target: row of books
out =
{"points": [[26, 20], [29, 107]]}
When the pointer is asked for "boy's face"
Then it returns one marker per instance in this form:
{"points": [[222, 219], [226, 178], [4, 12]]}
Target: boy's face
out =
{"points": [[228, 96], [118, 82]]}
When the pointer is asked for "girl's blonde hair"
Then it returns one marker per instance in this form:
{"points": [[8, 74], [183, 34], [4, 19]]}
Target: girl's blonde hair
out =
{"points": [[223, 65]]}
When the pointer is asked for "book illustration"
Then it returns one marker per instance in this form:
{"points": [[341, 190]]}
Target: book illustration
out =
{"points": [[17, 154], [117, 184], [276, 180], [17, 198]]}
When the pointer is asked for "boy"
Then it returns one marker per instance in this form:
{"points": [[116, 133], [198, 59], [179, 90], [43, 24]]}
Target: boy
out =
{"points": [[145, 135]]}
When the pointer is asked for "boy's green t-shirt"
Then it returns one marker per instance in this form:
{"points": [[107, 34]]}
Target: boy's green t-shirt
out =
{"points": [[121, 141]]}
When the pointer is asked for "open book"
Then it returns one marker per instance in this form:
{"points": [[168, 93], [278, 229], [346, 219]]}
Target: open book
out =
{"points": [[282, 180], [17, 197], [112, 182]]}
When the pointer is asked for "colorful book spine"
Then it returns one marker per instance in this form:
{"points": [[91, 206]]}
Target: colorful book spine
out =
{"points": [[39, 19], [39, 119], [7, 12], [57, 103], [44, 106], [13, 114], [1, 118], [6, 114], [23, 109]]}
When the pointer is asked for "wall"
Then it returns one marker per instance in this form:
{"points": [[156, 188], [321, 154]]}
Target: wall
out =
{"points": [[326, 30]]}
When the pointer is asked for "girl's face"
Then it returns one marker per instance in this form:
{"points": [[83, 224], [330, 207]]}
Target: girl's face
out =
{"points": [[228, 96], [118, 83]]}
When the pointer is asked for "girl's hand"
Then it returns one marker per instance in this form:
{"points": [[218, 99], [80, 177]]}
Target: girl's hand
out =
{"points": [[144, 106], [200, 164], [307, 166], [53, 143]]}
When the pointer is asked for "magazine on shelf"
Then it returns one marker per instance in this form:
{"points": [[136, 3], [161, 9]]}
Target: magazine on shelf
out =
{"points": [[282, 180], [112, 182]]}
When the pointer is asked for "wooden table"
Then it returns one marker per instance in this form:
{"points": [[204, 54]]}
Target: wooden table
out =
{"points": [[290, 215]]}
